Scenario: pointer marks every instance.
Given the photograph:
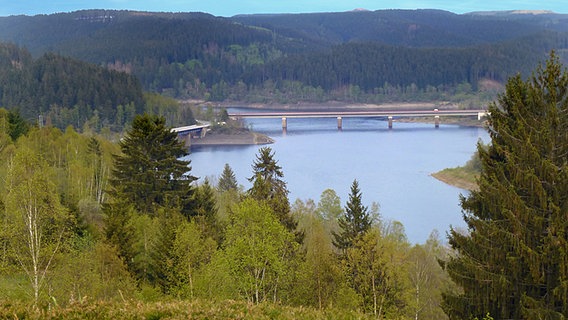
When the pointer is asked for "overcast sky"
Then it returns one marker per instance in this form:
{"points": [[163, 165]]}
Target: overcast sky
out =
{"points": [[229, 8]]}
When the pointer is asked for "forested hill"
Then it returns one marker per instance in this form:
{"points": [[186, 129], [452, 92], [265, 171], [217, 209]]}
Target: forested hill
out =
{"points": [[354, 56], [66, 91], [414, 28]]}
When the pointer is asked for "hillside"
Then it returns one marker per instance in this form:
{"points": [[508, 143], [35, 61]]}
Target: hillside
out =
{"points": [[413, 28], [360, 56], [66, 91]]}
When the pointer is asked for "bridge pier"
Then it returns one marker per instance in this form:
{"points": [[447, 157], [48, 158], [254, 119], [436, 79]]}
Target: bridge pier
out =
{"points": [[390, 122], [284, 123], [436, 121], [186, 139], [339, 123]]}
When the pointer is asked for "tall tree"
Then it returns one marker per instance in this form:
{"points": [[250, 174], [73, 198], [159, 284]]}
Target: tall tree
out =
{"points": [[512, 262], [354, 222], [329, 205], [36, 223], [227, 181], [268, 185], [256, 249], [149, 173]]}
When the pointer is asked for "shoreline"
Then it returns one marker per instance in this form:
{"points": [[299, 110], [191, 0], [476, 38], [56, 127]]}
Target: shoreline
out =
{"points": [[236, 139], [256, 138]]}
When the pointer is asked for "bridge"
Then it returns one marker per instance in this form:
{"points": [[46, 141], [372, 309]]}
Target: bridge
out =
{"points": [[389, 114], [195, 131]]}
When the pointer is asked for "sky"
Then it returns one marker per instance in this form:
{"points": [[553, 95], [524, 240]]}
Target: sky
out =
{"points": [[227, 8]]}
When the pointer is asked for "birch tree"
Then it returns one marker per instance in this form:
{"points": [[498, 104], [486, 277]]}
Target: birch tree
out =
{"points": [[256, 248], [36, 222]]}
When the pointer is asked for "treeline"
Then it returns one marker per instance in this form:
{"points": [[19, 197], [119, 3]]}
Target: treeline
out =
{"points": [[116, 222], [66, 91], [61, 91]]}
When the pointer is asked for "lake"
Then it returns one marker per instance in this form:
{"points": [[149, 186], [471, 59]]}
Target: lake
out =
{"points": [[393, 166]]}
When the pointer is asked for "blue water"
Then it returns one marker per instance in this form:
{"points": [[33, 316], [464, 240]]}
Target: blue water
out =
{"points": [[393, 167]]}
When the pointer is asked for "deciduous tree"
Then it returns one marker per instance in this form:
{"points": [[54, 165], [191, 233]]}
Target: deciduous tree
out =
{"points": [[256, 248], [36, 222]]}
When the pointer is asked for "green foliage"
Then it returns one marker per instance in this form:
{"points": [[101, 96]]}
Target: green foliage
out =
{"points": [[511, 263], [228, 180], [374, 268], [17, 125], [355, 221], [149, 173], [36, 224], [175, 113], [66, 92], [191, 250], [256, 247], [320, 276], [92, 272], [329, 205], [427, 280], [206, 210], [268, 185], [282, 58], [174, 309]]}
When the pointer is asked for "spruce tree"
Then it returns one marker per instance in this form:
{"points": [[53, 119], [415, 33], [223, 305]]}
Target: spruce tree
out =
{"points": [[227, 181], [354, 222], [149, 173], [513, 262], [268, 185]]}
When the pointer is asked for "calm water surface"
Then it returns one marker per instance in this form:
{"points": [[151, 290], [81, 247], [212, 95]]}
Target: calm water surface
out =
{"points": [[393, 167]]}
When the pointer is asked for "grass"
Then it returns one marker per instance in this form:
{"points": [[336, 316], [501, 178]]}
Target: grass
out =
{"points": [[460, 177], [464, 177], [174, 309]]}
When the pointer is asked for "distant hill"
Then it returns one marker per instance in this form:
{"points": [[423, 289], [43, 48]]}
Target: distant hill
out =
{"points": [[414, 28], [361, 56], [66, 91]]}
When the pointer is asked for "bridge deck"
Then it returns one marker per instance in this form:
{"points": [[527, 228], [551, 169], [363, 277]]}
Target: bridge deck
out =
{"points": [[189, 128], [346, 114]]}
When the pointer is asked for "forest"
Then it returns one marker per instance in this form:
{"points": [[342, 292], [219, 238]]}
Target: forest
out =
{"points": [[90, 226], [367, 57], [100, 217]]}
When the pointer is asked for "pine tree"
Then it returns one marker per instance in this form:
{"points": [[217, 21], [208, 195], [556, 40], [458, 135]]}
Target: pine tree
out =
{"points": [[149, 173], [268, 185], [354, 222], [513, 262], [227, 181]]}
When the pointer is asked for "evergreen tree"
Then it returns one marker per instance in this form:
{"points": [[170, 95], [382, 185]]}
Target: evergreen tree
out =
{"points": [[269, 186], [149, 173], [227, 181], [18, 126], [206, 210], [512, 263], [354, 222]]}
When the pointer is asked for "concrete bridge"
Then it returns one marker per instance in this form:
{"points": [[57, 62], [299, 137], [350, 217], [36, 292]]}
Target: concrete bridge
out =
{"points": [[195, 131], [389, 114]]}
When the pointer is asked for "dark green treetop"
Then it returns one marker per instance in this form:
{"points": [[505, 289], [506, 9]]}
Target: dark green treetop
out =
{"points": [[268, 185], [354, 222], [227, 181], [149, 173], [513, 261]]}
